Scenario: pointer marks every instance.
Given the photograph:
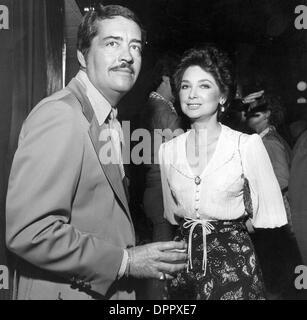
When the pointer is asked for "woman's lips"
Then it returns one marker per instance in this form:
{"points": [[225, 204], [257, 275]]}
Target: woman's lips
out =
{"points": [[193, 106]]}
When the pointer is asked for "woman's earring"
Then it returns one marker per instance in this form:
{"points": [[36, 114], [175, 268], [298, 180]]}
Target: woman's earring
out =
{"points": [[222, 108]]}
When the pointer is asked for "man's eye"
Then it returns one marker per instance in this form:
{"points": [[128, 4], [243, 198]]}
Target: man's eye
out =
{"points": [[112, 44], [136, 48]]}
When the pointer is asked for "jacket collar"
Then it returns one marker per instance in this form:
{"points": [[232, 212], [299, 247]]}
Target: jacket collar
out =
{"points": [[99, 103]]}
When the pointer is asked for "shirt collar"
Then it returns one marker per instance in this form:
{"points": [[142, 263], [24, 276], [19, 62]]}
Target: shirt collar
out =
{"points": [[100, 104], [266, 131]]}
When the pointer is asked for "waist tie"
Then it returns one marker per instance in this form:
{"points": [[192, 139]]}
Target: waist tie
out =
{"points": [[207, 227]]}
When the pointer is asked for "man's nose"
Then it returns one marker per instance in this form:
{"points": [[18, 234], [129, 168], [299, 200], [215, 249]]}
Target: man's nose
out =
{"points": [[126, 55]]}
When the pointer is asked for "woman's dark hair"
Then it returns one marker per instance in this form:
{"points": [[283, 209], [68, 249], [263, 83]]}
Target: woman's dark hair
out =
{"points": [[88, 28], [212, 60]]}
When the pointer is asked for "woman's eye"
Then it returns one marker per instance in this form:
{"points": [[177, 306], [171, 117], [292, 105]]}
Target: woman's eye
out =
{"points": [[204, 86], [184, 86]]}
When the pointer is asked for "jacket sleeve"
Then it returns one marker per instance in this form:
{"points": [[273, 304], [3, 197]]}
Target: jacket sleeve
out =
{"points": [[279, 161], [42, 184]]}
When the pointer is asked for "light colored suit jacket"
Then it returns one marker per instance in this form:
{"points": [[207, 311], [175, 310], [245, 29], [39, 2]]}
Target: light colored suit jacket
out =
{"points": [[67, 212]]}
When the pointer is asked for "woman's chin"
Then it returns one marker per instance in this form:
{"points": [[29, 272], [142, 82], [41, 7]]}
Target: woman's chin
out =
{"points": [[192, 114]]}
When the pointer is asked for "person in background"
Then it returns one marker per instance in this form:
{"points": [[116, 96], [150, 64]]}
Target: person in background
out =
{"points": [[277, 248], [264, 115], [161, 119], [297, 128], [214, 179], [235, 115], [71, 227], [298, 192]]}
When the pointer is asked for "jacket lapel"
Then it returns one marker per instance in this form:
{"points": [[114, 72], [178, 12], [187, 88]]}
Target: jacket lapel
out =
{"points": [[111, 170]]}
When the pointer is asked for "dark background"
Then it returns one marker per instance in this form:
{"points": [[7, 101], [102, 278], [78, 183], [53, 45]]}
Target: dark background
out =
{"points": [[260, 35]]}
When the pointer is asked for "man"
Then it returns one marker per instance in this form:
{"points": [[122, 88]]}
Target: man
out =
{"points": [[67, 213]]}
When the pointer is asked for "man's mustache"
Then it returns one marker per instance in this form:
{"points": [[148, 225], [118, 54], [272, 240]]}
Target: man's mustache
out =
{"points": [[123, 66]]}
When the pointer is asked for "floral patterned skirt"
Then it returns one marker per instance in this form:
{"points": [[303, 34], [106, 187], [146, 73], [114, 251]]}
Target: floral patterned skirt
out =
{"points": [[232, 272]]}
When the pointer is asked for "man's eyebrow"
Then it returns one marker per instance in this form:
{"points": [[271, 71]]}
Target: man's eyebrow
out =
{"points": [[136, 40], [113, 37], [121, 39]]}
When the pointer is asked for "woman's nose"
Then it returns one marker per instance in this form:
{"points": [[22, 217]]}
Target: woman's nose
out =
{"points": [[193, 93]]}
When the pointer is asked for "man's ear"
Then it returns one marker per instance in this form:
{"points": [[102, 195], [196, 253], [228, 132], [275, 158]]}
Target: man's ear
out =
{"points": [[268, 114], [81, 59]]}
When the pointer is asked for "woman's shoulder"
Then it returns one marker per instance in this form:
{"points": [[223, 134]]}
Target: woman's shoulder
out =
{"points": [[240, 137]]}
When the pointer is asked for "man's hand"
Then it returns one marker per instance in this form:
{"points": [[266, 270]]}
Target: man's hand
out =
{"points": [[252, 97], [157, 260]]}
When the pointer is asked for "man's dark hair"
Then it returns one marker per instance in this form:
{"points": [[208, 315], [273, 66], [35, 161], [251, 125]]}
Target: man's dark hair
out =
{"points": [[212, 60], [165, 66], [275, 105], [88, 28]]}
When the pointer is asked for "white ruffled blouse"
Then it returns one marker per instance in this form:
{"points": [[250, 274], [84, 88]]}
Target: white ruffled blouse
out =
{"points": [[217, 194]]}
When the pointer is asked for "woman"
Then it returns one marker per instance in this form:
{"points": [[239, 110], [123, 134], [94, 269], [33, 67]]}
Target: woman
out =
{"points": [[205, 188]]}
